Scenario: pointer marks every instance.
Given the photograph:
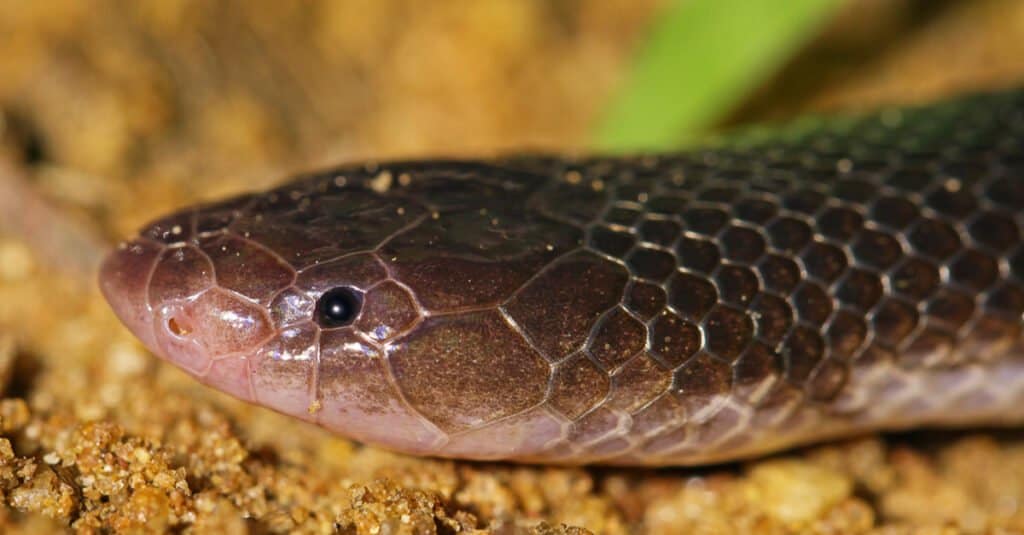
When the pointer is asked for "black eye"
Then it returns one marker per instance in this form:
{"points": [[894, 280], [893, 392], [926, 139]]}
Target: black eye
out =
{"points": [[337, 307]]}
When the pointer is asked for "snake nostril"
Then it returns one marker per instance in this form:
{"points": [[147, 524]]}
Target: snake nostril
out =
{"points": [[177, 328]]}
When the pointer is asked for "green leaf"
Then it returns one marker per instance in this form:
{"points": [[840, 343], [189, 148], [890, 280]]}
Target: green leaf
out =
{"points": [[701, 58]]}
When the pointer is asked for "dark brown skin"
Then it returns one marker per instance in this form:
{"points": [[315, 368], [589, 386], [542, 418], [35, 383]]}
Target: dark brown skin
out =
{"points": [[827, 278]]}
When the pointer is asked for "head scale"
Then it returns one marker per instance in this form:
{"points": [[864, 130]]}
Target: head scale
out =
{"points": [[371, 312]]}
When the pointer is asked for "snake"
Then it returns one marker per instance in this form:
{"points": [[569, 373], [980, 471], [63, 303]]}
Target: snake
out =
{"points": [[771, 288]]}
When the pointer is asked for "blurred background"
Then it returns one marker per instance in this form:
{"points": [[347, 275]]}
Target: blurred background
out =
{"points": [[117, 111], [202, 98]]}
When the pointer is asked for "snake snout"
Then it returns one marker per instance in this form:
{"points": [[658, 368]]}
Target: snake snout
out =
{"points": [[123, 280]]}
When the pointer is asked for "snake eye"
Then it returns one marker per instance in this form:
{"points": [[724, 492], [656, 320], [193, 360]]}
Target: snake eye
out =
{"points": [[338, 307]]}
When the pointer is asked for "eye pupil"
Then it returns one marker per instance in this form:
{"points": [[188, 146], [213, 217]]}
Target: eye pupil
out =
{"points": [[337, 307]]}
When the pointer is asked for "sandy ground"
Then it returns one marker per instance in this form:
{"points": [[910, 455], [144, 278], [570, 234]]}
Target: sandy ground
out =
{"points": [[120, 111]]}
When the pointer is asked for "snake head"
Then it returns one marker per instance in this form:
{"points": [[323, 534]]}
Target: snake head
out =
{"points": [[373, 313], [264, 309]]}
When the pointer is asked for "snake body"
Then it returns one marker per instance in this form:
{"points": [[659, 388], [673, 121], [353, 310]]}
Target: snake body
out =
{"points": [[779, 287]]}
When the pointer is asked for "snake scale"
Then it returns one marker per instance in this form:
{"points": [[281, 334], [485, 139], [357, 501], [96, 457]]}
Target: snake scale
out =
{"points": [[781, 286]]}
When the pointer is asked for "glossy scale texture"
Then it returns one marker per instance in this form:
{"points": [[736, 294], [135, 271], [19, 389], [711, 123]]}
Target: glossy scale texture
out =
{"points": [[787, 285]]}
